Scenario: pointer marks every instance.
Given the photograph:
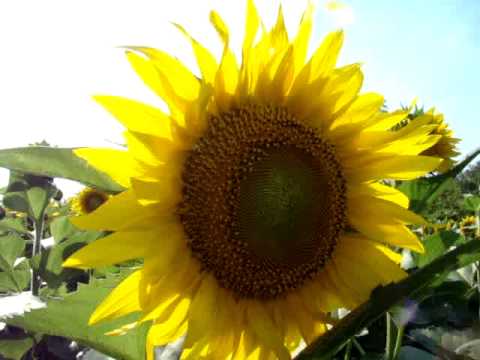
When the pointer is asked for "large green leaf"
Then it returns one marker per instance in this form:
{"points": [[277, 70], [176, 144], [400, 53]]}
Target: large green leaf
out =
{"points": [[38, 198], [436, 245], [61, 228], [11, 248], [56, 162], [68, 317], [15, 348], [49, 262], [423, 191], [472, 203], [17, 279], [13, 224], [384, 297]]}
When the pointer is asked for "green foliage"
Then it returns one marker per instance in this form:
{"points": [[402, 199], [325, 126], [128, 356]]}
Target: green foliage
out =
{"points": [[472, 203], [436, 245], [16, 348], [422, 192], [56, 162], [49, 263], [68, 317]]}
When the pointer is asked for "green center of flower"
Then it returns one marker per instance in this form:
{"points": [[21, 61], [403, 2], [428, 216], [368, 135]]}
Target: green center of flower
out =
{"points": [[279, 201], [263, 201], [92, 200]]}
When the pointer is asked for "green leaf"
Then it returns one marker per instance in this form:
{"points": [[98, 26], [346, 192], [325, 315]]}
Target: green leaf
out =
{"points": [[61, 228], [13, 224], [16, 201], [49, 262], [68, 317], [17, 279], [410, 352], [11, 248], [15, 348], [423, 191], [38, 198], [436, 245], [56, 162], [472, 203], [384, 297]]}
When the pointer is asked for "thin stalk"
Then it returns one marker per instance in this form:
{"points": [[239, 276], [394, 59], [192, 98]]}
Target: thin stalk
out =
{"points": [[37, 249], [359, 347], [389, 337], [398, 341], [348, 350]]}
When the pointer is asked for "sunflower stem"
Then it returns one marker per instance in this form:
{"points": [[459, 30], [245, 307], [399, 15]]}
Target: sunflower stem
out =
{"points": [[389, 337], [348, 350], [359, 347], [398, 341], [37, 249]]}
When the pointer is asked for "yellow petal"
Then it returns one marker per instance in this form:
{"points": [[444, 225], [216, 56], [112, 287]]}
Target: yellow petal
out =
{"points": [[361, 109], [202, 311], [370, 205], [382, 228], [153, 150], [112, 249], [300, 44], [264, 328], [381, 191], [179, 79], [325, 57], [121, 301], [118, 212], [161, 291], [136, 116], [226, 79], [167, 331], [252, 22], [380, 263], [118, 164], [310, 327], [206, 62], [403, 167], [283, 78], [166, 191], [278, 35]]}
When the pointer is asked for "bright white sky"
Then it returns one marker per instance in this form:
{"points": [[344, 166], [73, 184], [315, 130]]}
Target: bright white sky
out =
{"points": [[55, 54]]}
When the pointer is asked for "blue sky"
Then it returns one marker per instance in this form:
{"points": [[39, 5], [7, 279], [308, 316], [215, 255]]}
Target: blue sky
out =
{"points": [[56, 54], [428, 49]]}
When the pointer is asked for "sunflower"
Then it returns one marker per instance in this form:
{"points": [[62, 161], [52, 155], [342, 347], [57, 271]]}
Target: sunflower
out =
{"points": [[87, 201], [255, 202], [446, 146], [468, 226]]}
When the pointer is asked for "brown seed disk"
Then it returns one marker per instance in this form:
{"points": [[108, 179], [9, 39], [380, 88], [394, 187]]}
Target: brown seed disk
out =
{"points": [[263, 201]]}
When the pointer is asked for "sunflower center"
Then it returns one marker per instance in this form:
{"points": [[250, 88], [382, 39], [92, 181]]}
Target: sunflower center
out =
{"points": [[263, 201], [92, 201]]}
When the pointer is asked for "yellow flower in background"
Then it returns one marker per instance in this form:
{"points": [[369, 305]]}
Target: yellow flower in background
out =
{"points": [[87, 201], [255, 201], [446, 147], [468, 225]]}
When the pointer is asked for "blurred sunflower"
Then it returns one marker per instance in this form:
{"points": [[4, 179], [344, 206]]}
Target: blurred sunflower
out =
{"points": [[468, 225], [256, 200], [87, 201], [446, 146]]}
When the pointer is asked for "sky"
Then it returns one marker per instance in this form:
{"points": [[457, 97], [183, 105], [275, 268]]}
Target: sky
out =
{"points": [[55, 54]]}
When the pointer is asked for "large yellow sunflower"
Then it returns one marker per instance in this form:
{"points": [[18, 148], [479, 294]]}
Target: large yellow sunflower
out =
{"points": [[255, 202]]}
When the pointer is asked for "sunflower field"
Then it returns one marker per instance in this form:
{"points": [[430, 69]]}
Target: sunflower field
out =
{"points": [[274, 211]]}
